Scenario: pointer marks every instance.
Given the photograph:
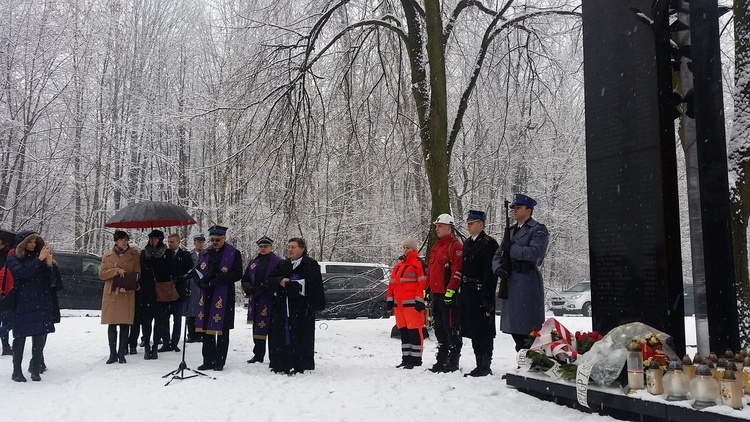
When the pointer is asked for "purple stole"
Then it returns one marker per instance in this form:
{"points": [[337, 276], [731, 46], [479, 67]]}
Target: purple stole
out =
{"points": [[210, 319], [259, 306]]}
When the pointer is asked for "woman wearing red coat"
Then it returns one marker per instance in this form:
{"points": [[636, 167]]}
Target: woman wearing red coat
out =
{"points": [[406, 298]]}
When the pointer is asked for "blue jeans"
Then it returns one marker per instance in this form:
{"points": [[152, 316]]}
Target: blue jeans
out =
{"points": [[6, 324]]}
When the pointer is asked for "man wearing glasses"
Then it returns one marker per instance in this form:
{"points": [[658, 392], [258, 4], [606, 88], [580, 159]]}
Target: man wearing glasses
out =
{"points": [[255, 285], [219, 268]]}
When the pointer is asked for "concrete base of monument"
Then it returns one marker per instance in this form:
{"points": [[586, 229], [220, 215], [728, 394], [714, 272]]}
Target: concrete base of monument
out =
{"points": [[613, 402]]}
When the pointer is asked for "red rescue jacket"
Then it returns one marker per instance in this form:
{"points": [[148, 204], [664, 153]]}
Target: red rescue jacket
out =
{"points": [[447, 253], [408, 282]]}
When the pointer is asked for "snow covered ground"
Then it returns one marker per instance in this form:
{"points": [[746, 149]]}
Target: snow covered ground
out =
{"points": [[355, 379]]}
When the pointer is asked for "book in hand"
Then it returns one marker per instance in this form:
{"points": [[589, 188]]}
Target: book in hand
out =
{"points": [[129, 281]]}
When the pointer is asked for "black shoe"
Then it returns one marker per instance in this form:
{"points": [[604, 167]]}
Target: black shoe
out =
{"points": [[218, 368], [256, 359], [7, 351], [282, 371], [112, 358], [191, 340], [121, 359], [437, 367], [42, 367], [147, 353], [35, 376], [205, 366], [297, 371], [176, 349], [479, 372], [18, 377], [154, 353], [133, 350], [402, 364], [165, 348], [142, 344]]}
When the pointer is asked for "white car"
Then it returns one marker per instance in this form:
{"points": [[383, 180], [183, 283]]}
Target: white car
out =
{"points": [[575, 300]]}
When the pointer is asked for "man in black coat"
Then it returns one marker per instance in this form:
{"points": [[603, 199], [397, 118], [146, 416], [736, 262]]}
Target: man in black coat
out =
{"points": [[183, 264], [220, 267], [478, 292], [297, 290]]}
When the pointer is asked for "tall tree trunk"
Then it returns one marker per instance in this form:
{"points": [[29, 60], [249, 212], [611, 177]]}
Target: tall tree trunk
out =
{"points": [[739, 163]]}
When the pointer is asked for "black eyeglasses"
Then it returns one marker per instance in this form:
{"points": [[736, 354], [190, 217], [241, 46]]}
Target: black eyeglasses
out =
{"points": [[216, 239]]}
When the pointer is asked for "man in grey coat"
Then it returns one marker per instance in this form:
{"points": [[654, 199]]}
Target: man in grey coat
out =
{"points": [[523, 310]]}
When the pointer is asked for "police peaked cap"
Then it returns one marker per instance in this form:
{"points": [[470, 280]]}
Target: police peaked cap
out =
{"points": [[522, 199]]}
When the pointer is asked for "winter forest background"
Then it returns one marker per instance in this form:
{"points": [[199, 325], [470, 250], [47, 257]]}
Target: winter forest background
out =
{"points": [[197, 102]]}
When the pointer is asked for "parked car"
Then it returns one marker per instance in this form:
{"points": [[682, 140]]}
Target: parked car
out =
{"points": [[575, 300], [82, 288], [373, 271], [354, 296]]}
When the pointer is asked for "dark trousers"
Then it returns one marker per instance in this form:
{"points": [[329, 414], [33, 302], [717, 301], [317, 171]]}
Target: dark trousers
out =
{"points": [[6, 324], [215, 348], [37, 349], [176, 310], [191, 334], [482, 346], [445, 321], [259, 351], [519, 339]]}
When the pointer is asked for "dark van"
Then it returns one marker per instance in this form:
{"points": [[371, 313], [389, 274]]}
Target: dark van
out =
{"points": [[80, 276]]}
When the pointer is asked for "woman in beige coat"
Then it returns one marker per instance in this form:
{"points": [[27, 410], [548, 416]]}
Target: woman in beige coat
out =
{"points": [[118, 305]]}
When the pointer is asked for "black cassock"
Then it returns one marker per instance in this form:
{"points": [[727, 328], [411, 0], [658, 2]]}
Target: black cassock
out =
{"points": [[291, 339]]}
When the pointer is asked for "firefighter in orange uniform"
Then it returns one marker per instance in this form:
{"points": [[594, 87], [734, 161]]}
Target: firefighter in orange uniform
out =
{"points": [[406, 298], [443, 279]]}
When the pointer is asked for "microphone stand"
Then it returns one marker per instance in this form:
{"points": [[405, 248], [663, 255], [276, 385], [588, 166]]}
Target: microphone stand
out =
{"points": [[179, 373]]}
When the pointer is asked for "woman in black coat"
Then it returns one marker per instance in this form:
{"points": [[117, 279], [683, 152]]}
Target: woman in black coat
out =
{"points": [[296, 287], [156, 264], [35, 280]]}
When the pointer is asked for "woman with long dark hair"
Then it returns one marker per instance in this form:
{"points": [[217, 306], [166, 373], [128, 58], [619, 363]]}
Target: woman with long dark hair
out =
{"points": [[156, 265], [35, 279], [118, 304]]}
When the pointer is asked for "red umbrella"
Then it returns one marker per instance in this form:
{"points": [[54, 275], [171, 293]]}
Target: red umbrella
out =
{"points": [[148, 214]]}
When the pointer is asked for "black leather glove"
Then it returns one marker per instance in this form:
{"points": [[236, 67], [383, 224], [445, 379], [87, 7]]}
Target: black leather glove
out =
{"points": [[501, 273], [187, 292], [389, 305], [248, 288], [214, 281], [419, 306], [203, 283]]}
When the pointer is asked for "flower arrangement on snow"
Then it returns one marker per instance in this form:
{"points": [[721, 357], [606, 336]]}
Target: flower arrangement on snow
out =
{"points": [[557, 352]]}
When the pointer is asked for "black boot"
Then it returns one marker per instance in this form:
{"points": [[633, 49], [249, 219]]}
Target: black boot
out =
{"points": [[112, 338], [122, 347], [441, 359], [147, 352], [405, 347], [259, 351], [483, 367], [17, 359], [454, 354]]}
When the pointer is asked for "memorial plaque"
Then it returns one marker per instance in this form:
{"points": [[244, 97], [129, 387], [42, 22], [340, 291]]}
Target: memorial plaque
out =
{"points": [[634, 236]]}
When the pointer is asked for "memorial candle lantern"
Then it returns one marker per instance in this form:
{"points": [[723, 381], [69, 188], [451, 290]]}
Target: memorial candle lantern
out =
{"points": [[721, 366], [704, 388], [746, 374], [731, 390], [738, 362], [711, 367], [635, 366], [687, 367], [714, 358], [676, 383], [654, 377]]}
